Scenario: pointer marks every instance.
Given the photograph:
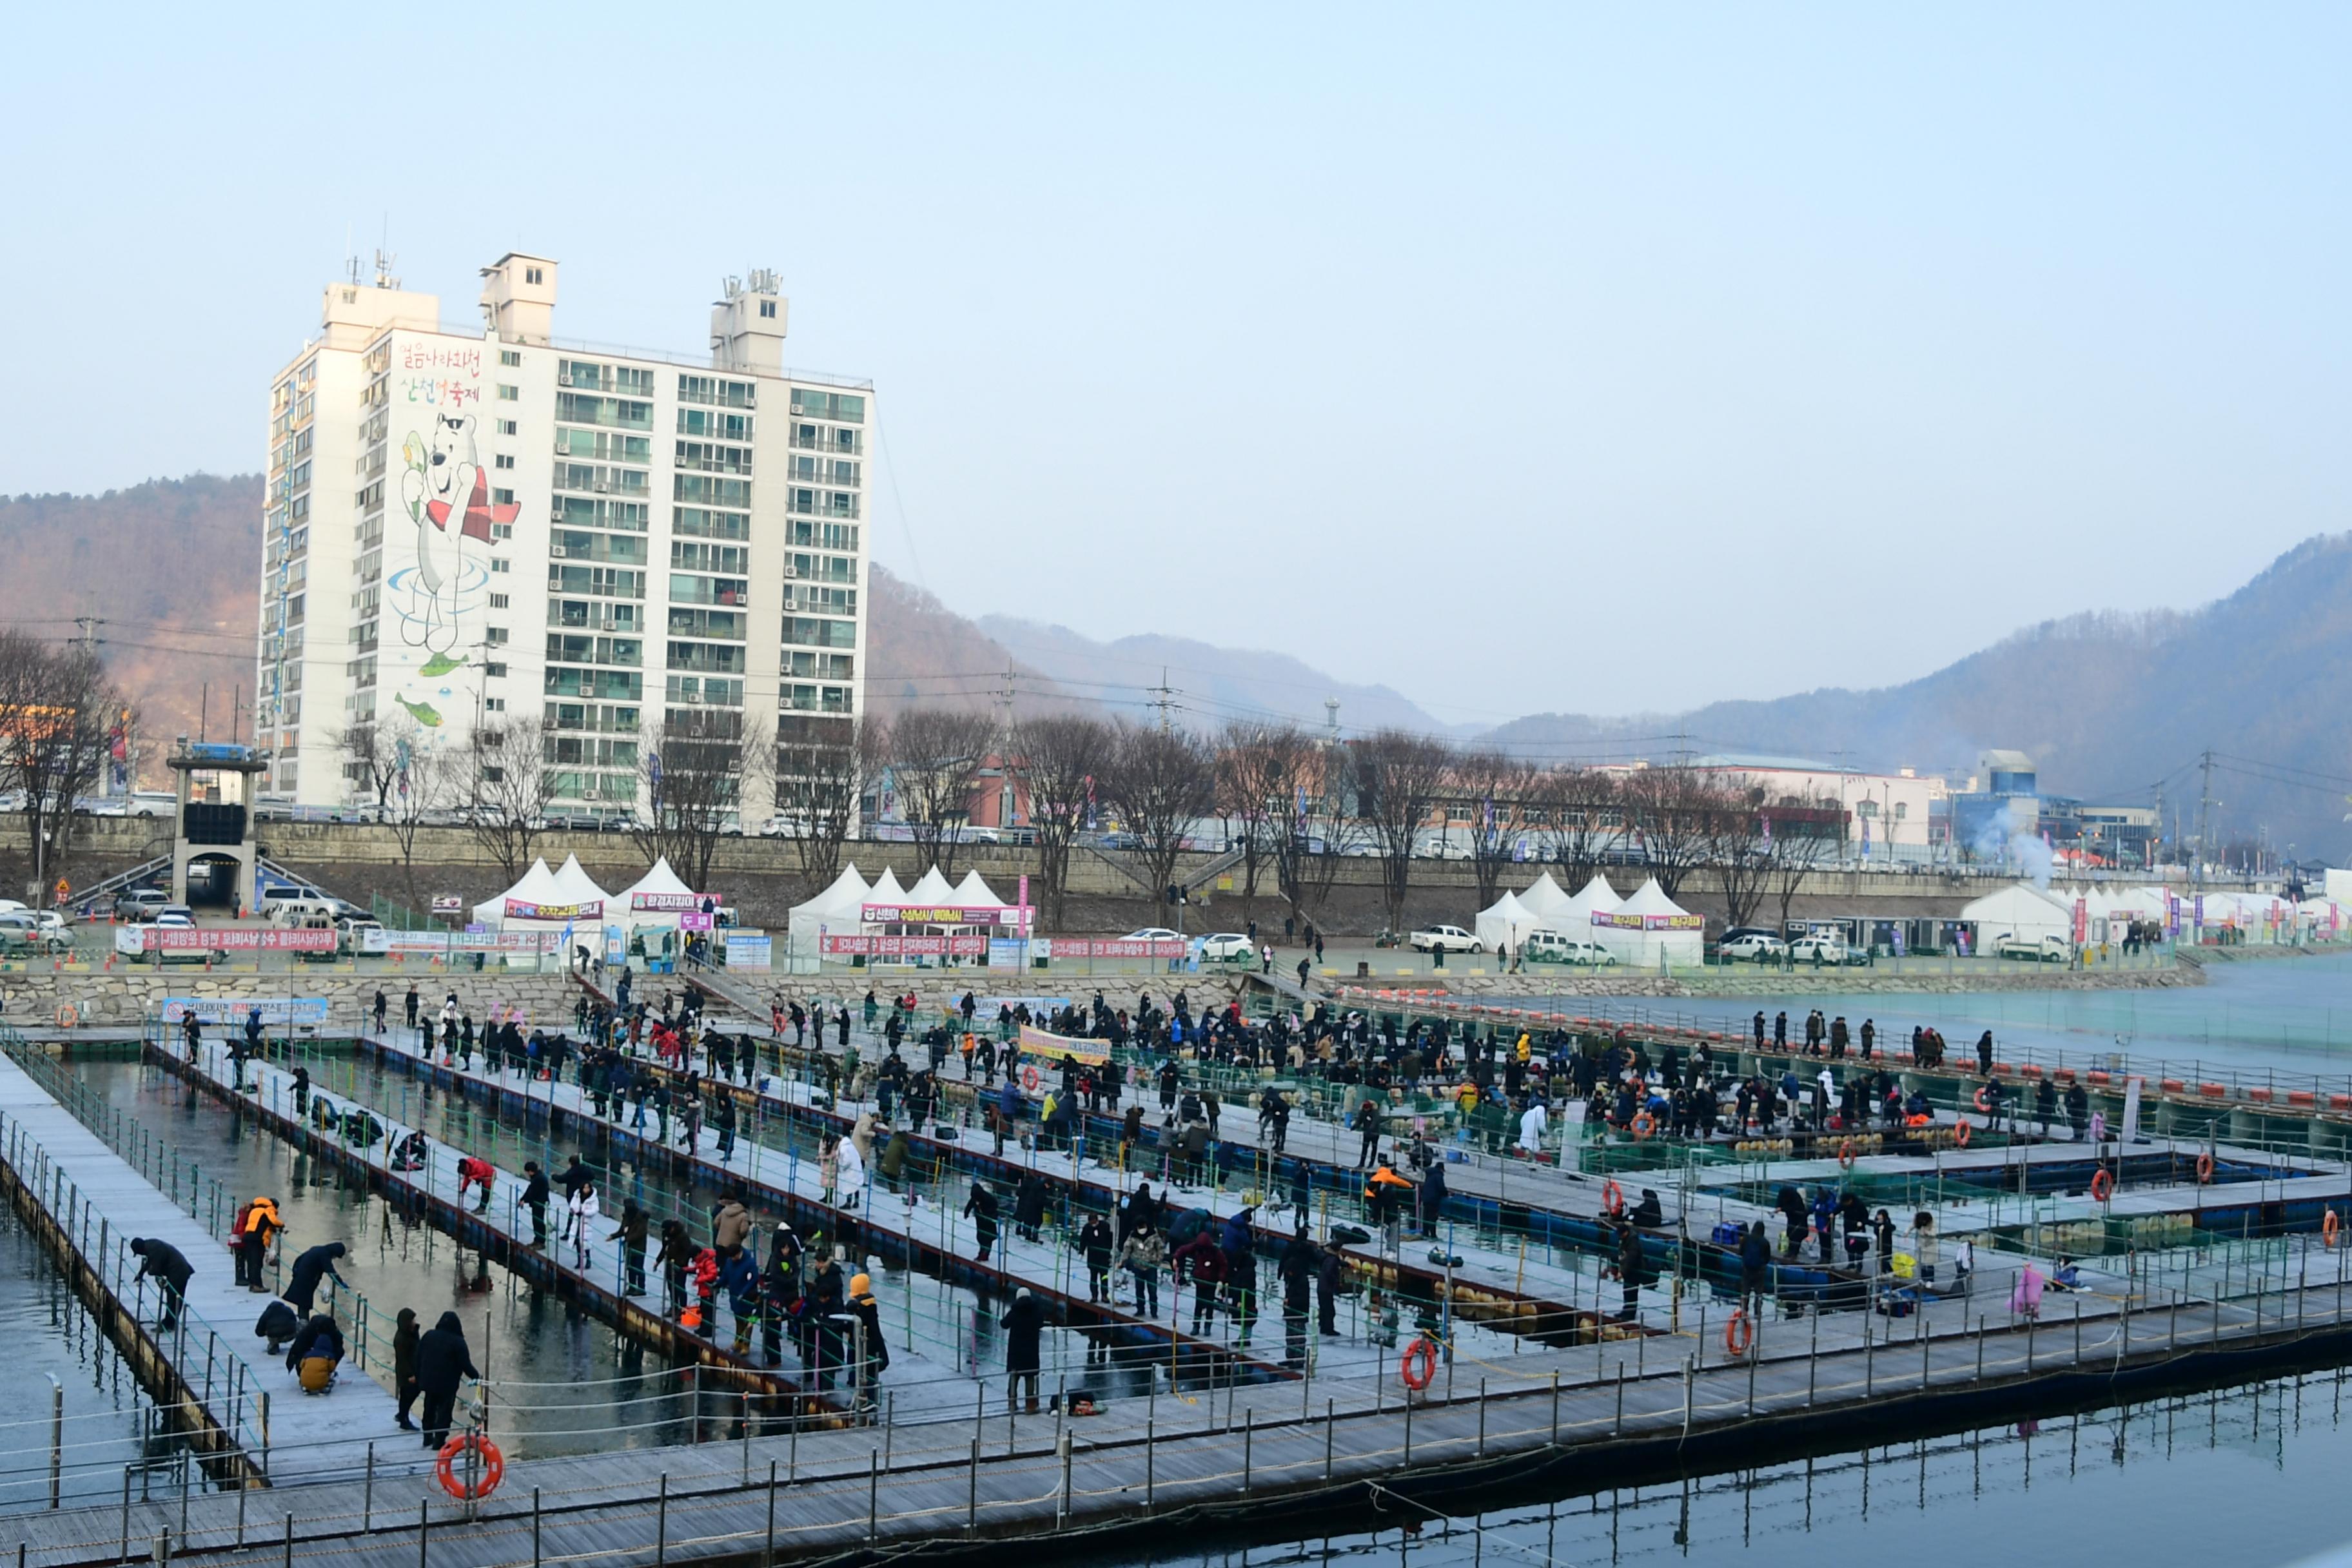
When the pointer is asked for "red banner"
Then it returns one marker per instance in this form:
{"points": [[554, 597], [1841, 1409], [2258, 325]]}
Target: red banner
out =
{"points": [[672, 903], [1117, 947], [904, 946]]}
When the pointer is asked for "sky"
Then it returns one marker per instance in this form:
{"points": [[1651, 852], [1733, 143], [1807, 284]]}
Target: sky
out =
{"points": [[1559, 357]]}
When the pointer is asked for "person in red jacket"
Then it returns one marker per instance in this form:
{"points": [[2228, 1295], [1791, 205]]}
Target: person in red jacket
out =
{"points": [[472, 1171]]}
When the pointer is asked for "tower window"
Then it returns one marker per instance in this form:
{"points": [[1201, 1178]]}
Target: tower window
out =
{"points": [[531, 275], [767, 307]]}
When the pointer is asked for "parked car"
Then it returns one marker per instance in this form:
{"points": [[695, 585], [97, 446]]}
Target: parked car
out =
{"points": [[1551, 947], [1444, 939], [1150, 934], [139, 903], [2036, 948], [1826, 950], [1756, 946], [1227, 947], [21, 931]]}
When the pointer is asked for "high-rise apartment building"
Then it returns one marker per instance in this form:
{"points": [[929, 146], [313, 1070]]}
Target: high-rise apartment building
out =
{"points": [[477, 530]]}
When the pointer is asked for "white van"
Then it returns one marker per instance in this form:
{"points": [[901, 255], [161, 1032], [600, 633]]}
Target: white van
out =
{"points": [[1551, 947], [292, 914]]}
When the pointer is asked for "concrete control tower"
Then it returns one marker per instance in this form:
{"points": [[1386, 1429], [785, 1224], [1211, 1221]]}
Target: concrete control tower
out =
{"points": [[213, 822]]}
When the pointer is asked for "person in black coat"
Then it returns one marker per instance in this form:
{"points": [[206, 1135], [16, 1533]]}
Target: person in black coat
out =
{"points": [[168, 1267], [1029, 1205], [303, 1280], [1328, 1272], [277, 1323], [404, 1364], [535, 1194], [443, 1364], [1024, 1323]]}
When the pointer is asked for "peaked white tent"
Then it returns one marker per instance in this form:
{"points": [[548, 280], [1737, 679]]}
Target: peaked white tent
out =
{"points": [[834, 910], [931, 888], [1666, 932], [659, 879], [973, 892], [1505, 922], [536, 886], [2020, 910], [1551, 904], [573, 885], [886, 888]]}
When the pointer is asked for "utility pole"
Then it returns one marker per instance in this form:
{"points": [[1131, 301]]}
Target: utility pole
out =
{"points": [[2204, 815], [1003, 695], [1163, 696]]}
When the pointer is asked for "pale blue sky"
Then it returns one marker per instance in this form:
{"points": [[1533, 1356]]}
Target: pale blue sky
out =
{"points": [[1538, 357]]}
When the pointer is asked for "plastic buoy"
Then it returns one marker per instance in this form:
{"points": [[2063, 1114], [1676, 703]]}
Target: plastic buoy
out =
{"points": [[1422, 1355]]}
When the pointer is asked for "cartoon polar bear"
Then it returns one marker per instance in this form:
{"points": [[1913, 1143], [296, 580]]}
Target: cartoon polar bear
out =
{"points": [[443, 480]]}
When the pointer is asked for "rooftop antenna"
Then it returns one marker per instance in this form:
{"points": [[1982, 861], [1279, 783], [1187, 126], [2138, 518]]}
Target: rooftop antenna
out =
{"points": [[1331, 716]]}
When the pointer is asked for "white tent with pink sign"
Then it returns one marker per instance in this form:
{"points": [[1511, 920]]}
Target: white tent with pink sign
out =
{"points": [[835, 911], [663, 892], [536, 886], [1649, 929]]}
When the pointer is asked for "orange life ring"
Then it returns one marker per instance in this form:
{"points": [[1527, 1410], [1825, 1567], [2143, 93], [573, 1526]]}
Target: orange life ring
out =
{"points": [[1029, 1078], [2329, 1227], [1739, 1332], [68, 1015], [1644, 1124], [2204, 1169], [1961, 1135], [2103, 1185], [1845, 1154], [1424, 1353], [1613, 1197], [493, 1471], [1983, 1100]]}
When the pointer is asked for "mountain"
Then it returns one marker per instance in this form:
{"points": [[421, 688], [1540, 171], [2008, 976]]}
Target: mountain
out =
{"points": [[172, 568], [2108, 706], [1211, 684], [920, 654]]}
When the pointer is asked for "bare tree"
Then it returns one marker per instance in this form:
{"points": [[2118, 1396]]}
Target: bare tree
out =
{"points": [[1160, 782], [367, 761], [1741, 852], [1582, 815], [511, 789], [58, 712], [1803, 840], [1399, 777], [1061, 758], [697, 767], [422, 778], [1498, 793], [932, 754], [1257, 768], [823, 765], [1674, 813]]}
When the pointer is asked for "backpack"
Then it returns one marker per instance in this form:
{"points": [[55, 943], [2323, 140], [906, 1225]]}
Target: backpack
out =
{"points": [[1186, 1225], [236, 1227]]}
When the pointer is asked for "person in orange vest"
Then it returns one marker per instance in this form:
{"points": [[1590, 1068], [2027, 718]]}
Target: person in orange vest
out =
{"points": [[256, 1225]]}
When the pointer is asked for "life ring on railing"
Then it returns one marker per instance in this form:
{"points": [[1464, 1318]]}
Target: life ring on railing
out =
{"points": [[1845, 1154], [1612, 1198], [68, 1015], [2103, 1185], [1739, 1332], [1029, 1078], [2329, 1227], [1961, 1135], [1423, 1352], [1983, 1100], [2204, 1169], [1644, 1124], [493, 1470]]}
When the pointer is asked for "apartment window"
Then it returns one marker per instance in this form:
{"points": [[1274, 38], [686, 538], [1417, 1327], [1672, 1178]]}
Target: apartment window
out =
{"points": [[509, 394], [503, 498], [497, 635], [768, 308], [510, 357], [502, 531], [506, 427], [531, 274], [494, 704], [494, 668], [501, 564], [1902, 810], [506, 460], [498, 601]]}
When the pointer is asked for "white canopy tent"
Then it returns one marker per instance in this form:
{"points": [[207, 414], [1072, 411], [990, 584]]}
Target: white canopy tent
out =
{"points": [[660, 879], [973, 892], [1552, 906], [536, 886], [1504, 923], [832, 910], [885, 890], [1668, 933], [931, 888], [2020, 910], [573, 885]]}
